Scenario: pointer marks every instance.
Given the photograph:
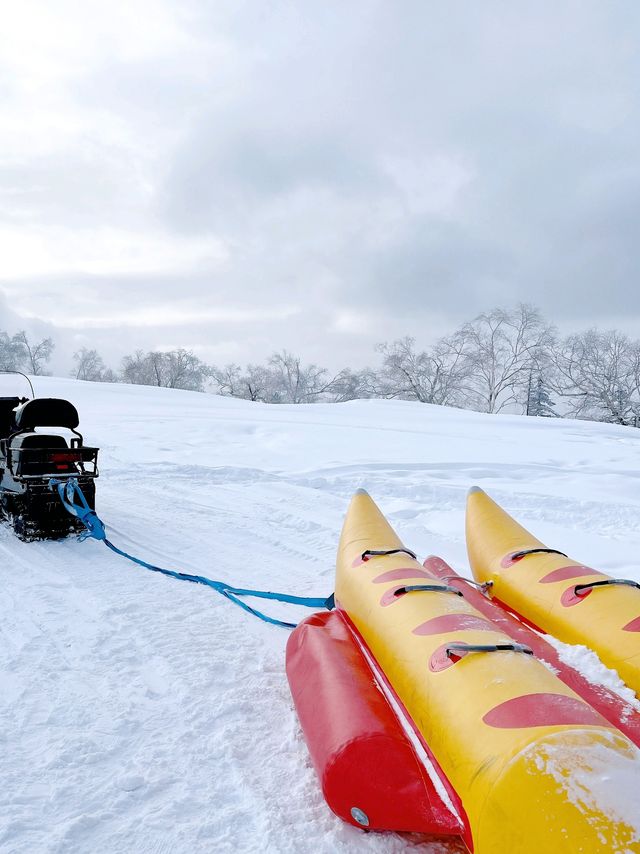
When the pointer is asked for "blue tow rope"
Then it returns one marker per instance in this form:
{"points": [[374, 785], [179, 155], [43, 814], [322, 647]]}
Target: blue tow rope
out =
{"points": [[75, 502]]}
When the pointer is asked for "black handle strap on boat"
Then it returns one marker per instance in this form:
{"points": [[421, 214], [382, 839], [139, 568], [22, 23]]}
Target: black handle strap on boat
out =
{"points": [[590, 585], [481, 585], [428, 588], [456, 648], [525, 552], [382, 552]]}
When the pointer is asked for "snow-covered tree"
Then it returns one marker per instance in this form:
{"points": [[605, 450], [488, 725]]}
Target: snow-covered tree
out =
{"points": [[351, 385], [12, 353], [294, 382], [285, 379], [185, 370], [599, 374], [89, 365], [539, 400], [436, 375], [501, 348], [136, 369], [169, 369], [36, 355], [254, 383]]}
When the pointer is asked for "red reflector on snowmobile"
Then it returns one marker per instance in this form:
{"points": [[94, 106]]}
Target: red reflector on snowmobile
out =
{"points": [[65, 457]]}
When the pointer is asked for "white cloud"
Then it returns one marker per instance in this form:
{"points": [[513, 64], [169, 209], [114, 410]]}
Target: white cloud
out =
{"points": [[56, 250], [166, 315], [240, 177]]}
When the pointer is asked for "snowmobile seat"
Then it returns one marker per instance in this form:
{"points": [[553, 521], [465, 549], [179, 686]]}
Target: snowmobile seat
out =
{"points": [[46, 412], [32, 454], [7, 405], [39, 440]]}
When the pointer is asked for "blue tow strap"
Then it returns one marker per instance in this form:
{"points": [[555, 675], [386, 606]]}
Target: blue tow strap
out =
{"points": [[75, 502]]}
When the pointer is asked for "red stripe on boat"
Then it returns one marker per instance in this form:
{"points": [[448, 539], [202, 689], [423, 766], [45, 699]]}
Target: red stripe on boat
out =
{"points": [[454, 623], [441, 661], [532, 710], [400, 574], [633, 626], [389, 596], [509, 559], [567, 572], [570, 597]]}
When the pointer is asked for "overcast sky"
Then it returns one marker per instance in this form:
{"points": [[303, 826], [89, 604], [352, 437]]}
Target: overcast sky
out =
{"points": [[238, 177]]}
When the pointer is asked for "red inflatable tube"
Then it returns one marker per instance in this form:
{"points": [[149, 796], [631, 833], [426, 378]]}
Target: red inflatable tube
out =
{"points": [[370, 774]]}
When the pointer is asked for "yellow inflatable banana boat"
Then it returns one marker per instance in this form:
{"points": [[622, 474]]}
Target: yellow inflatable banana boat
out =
{"points": [[555, 594], [521, 756]]}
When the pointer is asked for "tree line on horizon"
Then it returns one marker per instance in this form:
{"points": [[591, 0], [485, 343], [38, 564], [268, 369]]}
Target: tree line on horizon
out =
{"points": [[504, 360]]}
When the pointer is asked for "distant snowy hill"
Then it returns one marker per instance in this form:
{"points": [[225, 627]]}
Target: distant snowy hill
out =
{"points": [[141, 714]]}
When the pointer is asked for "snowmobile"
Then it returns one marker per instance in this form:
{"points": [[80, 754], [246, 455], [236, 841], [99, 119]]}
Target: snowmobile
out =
{"points": [[30, 458]]}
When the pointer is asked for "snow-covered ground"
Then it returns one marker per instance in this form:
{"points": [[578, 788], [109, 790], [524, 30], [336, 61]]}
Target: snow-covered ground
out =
{"points": [[141, 714]]}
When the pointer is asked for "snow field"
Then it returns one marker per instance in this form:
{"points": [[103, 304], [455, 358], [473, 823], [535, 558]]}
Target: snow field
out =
{"points": [[143, 714]]}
